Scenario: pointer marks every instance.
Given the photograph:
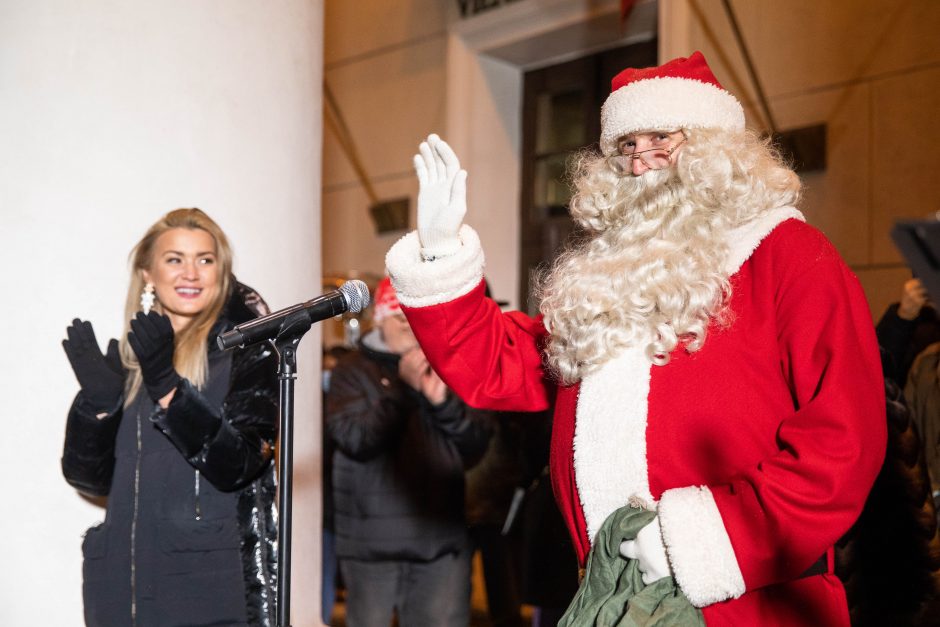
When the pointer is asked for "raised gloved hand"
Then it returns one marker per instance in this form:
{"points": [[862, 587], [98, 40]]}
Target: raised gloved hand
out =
{"points": [[649, 551], [151, 338], [442, 198], [100, 376]]}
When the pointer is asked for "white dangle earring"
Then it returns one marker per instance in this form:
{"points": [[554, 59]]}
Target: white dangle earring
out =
{"points": [[146, 298]]}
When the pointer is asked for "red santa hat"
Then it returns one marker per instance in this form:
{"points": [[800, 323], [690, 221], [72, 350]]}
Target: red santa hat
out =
{"points": [[680, 94], [385, 302]]}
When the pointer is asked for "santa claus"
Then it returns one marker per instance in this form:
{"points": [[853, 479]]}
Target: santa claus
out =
{"points": [[706, 351]]}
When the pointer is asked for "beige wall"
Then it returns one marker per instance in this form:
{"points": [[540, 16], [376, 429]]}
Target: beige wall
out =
{"points": [[869, 69], [385, 64]]}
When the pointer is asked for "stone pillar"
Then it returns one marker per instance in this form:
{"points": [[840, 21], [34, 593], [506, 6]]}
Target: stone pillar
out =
{"points": [[111, 114]]}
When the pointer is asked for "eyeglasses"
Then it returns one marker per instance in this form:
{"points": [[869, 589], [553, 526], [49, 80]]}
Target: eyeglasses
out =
{"points": [[657, 158]]}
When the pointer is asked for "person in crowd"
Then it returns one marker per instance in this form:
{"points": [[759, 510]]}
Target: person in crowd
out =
{"points": [[900, 586], [909, 334], [179, 436], [548, 564], [403, 442], [710, 356], [494, 486], [328, 542], [907, 328], [922, 393]]}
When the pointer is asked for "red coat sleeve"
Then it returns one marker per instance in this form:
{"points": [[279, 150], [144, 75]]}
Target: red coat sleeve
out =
{"points": [[782, 513], [492, 360]]}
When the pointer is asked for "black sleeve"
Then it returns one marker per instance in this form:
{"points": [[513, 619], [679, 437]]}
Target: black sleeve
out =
{"points": [[88, 453], [894, 336], [469, 429], [363, 408], [233, 446]]}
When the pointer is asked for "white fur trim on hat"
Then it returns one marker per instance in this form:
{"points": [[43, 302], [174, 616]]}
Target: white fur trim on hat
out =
{"points": [[698, 546], [666, 104], [421, 283]]}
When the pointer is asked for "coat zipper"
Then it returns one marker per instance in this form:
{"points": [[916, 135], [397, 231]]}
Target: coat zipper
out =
{"points": [[134, 525], [198, 511], [196, 489]]}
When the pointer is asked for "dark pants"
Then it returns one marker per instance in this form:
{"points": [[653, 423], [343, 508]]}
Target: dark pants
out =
{"points": [[328, 574], [499, 574], [424, 593]]}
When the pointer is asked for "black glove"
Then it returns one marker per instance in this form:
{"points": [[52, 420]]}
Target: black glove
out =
{"points": [[100, 376], [151, 338]]}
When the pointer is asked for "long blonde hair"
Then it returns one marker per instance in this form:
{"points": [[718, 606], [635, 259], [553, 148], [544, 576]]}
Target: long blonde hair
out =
{"points": [[190, 357], [650, 270]]}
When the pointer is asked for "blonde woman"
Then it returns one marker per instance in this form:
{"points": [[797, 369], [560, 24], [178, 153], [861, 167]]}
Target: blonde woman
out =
{"points": [[179, 436]]}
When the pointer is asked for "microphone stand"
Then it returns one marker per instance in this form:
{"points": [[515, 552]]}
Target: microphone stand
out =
{"points": [[288, 337]]}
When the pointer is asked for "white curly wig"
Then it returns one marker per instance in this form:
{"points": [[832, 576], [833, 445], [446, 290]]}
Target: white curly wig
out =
{"points": [[650, 270]]}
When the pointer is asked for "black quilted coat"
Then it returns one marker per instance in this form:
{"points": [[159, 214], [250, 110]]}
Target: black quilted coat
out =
{"points": [[189, 536], [398, 469]]}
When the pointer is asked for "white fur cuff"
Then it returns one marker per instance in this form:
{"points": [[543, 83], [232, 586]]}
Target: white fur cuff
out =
{"points": [[420, 283], [698, 546]]}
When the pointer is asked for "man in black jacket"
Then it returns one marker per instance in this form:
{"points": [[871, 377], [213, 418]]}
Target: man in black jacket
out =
{"points": [[403, 442], [906, 328]]}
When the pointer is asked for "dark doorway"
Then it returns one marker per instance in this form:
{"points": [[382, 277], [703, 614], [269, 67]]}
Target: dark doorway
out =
{"points": [[560, 115]]}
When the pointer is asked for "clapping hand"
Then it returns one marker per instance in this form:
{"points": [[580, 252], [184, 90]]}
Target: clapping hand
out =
{"points": [[151, 338], [442, 198], [100, 376], [415, 370]]}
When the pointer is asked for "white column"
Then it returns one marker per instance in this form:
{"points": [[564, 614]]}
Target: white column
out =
{"points": [[112, 113]]}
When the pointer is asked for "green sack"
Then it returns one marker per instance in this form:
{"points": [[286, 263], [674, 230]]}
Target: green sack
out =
{"points": [[612, 593]]}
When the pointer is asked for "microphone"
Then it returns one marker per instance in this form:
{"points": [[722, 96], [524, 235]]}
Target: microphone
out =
{"points": [[351, 296]]}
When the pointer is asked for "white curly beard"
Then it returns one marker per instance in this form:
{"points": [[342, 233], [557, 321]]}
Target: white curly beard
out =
{"points": [[652, 275], [654, 272]]}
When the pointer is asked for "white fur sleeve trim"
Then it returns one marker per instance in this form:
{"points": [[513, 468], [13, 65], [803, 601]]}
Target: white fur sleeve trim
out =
{"points": [[698, 546], [420, 283]]}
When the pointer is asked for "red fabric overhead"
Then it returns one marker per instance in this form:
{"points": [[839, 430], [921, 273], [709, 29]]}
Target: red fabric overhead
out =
{"points": [[625, 7]]}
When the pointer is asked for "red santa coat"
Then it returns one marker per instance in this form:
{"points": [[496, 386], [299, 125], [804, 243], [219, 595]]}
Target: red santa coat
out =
{"points": [[760, 448]]}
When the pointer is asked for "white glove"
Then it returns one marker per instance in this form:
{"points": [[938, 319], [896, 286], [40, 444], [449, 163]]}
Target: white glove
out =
{"points": [[442, 198], [649, 551]]}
